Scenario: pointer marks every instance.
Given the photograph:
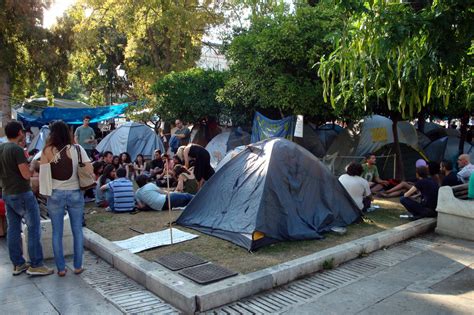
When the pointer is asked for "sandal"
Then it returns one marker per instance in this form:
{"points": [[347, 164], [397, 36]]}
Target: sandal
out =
{"points": [[62, 273], [78, 271]]}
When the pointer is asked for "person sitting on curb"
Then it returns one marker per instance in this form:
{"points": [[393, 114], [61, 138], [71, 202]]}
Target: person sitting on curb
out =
{"points": [[450, 178], [428, 190], [356, 186], [121, 198], [371, 174], [465, 168], [151, 197]]}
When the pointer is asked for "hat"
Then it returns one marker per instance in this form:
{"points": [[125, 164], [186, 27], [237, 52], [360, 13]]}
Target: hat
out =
{"points": [[420, 163]]}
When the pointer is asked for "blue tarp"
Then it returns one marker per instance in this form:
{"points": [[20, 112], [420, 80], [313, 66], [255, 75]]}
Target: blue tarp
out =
{"points": [[264, 128], [73, 116]]}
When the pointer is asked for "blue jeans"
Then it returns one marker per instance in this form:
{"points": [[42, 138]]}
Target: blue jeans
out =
{"points": [[59, 202], [20, 206], [177, 200]]}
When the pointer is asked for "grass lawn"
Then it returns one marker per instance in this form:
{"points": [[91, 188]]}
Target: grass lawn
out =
{"points": [[117, 227]]}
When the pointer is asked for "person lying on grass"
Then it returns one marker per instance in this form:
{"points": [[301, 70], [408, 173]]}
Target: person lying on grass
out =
{"points": [[151, 197]]}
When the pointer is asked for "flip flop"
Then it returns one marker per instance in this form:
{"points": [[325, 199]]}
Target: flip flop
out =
{"points": [[62, 273]]}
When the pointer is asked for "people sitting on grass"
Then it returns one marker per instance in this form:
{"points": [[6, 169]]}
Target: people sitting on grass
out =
{"points": [[155, 167], [356, 186], [401, 188], [371, 174], [465, 168], [151, 197], [450, 178], [121, 198], [101, 197], [428, 199], [139, 164], [98, 169], [186, 181]]}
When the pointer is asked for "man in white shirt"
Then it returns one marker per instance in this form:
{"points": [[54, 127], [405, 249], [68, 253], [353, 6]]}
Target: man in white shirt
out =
{"points": [[357, 186], [465, 168]]}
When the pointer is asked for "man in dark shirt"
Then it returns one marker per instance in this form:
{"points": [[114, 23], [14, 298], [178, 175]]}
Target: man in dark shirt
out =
{"points": [[20, 204], [450, 177], [155, 167], [428, 190]]}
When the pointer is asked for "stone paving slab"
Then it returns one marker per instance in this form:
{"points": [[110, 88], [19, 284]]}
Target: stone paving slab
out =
{"points": [[23, 294]]}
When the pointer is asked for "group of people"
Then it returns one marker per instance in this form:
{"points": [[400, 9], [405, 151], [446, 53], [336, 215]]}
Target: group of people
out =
{"points": [[57, 179], [419, 195]]}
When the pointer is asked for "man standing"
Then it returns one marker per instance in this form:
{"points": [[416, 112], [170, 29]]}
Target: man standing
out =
{"points": [[20, 204], [465, 168], [85, 136]]}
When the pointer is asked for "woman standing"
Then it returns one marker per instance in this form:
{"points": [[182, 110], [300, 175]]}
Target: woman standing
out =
{"points": [[62, 156]]}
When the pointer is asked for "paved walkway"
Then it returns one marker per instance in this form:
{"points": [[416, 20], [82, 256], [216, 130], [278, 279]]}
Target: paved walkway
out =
{"points": [[23, 294], [428, 275]]}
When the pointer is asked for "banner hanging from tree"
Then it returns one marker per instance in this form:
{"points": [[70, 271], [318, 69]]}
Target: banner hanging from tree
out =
{"points": [[264, 128]]}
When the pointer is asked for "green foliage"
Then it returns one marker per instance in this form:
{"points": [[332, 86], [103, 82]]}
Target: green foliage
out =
{"points": [[271, 63], [328, 264], [397, 57], [188, 95]]}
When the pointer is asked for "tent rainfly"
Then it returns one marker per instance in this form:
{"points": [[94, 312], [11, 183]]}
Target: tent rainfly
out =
{"points": [[133, 138], [272, 191]]}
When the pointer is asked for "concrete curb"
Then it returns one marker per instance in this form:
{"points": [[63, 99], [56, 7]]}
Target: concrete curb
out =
{"points": [[190, 297]]}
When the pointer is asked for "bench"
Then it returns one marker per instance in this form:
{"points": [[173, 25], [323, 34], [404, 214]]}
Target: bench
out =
{"points": [[455, 212]]}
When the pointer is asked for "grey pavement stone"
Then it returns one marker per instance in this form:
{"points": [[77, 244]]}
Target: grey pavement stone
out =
{"points": [[19, 293], [421, 303], [57, 285], [34, 306], [133, 265], [79, 298], [7, 280], [460, 284]]}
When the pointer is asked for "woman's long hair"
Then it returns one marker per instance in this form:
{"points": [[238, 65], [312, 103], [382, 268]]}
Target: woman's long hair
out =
{"points": [[143, 160], [106, 174], [59, 135], [128, 159]]}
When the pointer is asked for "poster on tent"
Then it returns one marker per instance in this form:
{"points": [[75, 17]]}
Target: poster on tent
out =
{"points": [[265, 128]]}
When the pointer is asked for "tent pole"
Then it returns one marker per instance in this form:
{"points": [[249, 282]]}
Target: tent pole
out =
{"points": [[168, 193], [394, 165]]}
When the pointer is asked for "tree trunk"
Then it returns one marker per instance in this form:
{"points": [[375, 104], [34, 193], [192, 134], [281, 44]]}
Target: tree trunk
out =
{"points": [[400, 172], [464, 122], [421, 121], [6, 112]]}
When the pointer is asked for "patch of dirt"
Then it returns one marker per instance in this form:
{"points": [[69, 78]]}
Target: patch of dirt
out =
{"points": [[114, 227]]}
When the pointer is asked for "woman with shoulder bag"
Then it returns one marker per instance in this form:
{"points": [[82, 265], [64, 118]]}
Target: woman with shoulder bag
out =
{"points": [[59, 179]]}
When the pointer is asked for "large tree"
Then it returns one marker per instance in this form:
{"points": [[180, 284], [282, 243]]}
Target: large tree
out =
{"points": [[28, 52], [397, 58], [271, 64]]}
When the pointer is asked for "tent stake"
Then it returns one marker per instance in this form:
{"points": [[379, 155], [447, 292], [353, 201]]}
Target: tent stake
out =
{"points": [[168, 193]]}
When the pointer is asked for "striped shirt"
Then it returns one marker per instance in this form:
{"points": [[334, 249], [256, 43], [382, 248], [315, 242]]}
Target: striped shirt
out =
{"points": [[122, 190]]}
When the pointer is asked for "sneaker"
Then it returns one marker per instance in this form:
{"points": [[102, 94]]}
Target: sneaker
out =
{"points": [[88, 199], [20, 269], [39, 271], [108, 209]]}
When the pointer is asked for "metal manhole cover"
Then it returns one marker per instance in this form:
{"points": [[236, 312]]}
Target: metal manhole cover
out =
{"points": [[204, 274], [180, 260]]}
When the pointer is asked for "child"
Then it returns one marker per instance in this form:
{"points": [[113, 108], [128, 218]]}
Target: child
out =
{"points": [[122, 197]]}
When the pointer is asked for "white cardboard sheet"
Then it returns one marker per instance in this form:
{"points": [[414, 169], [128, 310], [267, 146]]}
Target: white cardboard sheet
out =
{"points": [[146, 241]]}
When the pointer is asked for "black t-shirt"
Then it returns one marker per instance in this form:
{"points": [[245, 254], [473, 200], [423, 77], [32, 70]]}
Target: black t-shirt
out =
{"points": [[429, 192], [451, 180], [157, 163]]}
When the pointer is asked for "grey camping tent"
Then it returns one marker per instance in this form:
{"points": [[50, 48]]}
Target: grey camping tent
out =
{"points": [[133, 138], [272, 191], [447, 148], [39, 141], [225, 142]]}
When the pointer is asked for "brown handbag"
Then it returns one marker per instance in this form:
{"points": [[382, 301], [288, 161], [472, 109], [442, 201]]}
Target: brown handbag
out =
{"points": [[86, 178]]}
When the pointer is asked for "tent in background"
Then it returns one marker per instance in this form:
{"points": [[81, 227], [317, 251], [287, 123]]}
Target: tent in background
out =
{"points": [[446, 148], [133, 138], [311, 141], [386, 164], [225, 142], [39, 140], [268, 193], [327, 134]]}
